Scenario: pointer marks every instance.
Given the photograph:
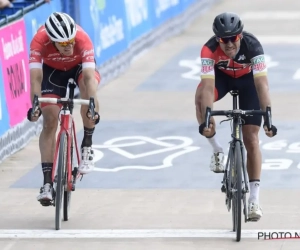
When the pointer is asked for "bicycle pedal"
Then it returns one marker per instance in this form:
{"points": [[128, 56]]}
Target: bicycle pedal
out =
{"points": [[253, 219], [75, 171], [219, 172], [46, 203], [223, 189]]}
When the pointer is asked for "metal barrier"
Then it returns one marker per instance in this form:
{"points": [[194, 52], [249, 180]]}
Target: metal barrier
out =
{"points": [[17, 12]]}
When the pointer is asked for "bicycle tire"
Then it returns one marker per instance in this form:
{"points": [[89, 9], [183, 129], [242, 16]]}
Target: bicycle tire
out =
{"points": [[67, 192], [61, 166], [67, 204], [244, 187], [233, 215], [237, 196]]}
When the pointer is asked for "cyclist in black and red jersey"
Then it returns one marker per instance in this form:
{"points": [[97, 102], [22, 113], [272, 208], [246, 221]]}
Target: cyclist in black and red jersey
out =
{"points": [[234, 59]]}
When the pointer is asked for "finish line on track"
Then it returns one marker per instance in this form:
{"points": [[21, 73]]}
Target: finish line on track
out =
{"points": [[136, 233]]}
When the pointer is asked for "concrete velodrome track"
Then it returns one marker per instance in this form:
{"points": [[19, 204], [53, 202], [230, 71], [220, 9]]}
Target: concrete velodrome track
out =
{"points": [[159, 178]]}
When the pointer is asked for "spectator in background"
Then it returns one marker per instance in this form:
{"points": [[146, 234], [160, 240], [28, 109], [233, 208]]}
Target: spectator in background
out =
{"points": [[9, 3], [6, 3]]}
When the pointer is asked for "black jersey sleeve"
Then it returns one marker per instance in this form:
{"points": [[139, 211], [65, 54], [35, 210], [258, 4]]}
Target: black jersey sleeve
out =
{"points": [[255, 54]]}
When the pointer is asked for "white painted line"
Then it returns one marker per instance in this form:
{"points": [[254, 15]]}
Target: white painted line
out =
{"points": [[283, 40], [147, 233], [271, 15]]}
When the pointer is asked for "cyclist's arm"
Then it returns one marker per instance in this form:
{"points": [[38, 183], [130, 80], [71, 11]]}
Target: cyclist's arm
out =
{"points": [[88, 75], [262, 88], [206, 95], [36, 77], [35, 66], [88, 69], [259, 68], [261, 80]]}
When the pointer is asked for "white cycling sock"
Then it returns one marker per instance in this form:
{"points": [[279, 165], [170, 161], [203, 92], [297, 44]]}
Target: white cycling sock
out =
{"points": [[215, 144], [254, 191]]}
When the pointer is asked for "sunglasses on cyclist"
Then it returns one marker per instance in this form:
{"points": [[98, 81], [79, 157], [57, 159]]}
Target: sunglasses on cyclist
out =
{"points": [[65, 44], [232, 39]]}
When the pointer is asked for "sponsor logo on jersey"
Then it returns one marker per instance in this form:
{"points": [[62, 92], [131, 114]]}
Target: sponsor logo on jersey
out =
{"points": [[228, 65], [259, 63], [88, 52], [207, 65], [241, 58], [35, 53], [54, 54]]}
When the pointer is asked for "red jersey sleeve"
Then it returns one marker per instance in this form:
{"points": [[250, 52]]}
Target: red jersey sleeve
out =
{"points": [[36, 49], [87, 51], [207, 63]]}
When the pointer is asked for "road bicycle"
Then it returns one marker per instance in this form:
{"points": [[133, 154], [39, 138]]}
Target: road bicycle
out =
{"points": [[65, 167], [235, 182]]}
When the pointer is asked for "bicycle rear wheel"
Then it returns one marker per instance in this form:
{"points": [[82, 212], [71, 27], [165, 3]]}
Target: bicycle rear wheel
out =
{"points": [[61, 167], [237, 191], [67, 191]]}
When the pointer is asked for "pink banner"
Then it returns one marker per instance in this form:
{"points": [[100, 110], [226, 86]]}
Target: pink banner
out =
{"points": [[14, 58]]}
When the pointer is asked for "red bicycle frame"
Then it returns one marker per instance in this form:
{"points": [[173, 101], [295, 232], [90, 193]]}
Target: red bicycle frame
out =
{"points": [[67, 125]]}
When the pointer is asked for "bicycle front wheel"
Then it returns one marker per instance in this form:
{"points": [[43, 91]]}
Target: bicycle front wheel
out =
{"points": [[61, 167], [68, 191], [237, 190]]}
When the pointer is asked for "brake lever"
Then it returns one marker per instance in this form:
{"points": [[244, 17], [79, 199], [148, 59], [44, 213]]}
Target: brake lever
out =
{"points": [[269, 118], [35, 104], [207, 116], [229, 119], [92, 108]]}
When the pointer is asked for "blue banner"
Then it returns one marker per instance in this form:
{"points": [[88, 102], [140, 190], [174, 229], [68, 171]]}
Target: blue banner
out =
{"points": [[105, 22], [164, 10], [114, 24], [139, 18], [4, 117], [35, 18]]}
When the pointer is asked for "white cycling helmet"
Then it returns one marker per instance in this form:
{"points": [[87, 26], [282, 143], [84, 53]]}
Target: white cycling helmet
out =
{"points": [[60, 27]]}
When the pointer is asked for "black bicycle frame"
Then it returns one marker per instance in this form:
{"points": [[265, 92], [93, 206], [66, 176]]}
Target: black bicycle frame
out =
{"points": [[236, 135], [236, 116]]}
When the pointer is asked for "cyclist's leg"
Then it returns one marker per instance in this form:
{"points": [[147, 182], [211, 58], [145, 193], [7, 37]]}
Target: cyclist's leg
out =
{"points": [[87, 153], [53, 85], [249, 100], [221, 89]]}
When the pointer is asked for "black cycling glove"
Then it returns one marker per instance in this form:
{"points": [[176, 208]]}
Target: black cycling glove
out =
{"points": [[273, 129], [96, 113], [201, 128], [29, 113]]}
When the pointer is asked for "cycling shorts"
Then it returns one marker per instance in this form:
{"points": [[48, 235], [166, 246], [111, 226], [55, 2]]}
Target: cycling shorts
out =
{"points": [[247, 99], [55, 81]]}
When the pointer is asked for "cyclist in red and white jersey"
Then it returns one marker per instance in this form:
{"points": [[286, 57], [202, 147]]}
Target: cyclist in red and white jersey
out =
{"points": [[234, 59], [60, 50]]}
